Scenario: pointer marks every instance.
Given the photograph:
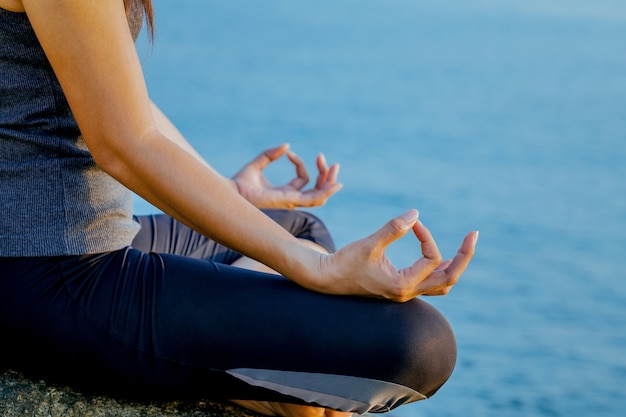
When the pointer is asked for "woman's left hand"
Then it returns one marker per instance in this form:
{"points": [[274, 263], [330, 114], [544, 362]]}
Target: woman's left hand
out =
{"points": [[255, 188]]}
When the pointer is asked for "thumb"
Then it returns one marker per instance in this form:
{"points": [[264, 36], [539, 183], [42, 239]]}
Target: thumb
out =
{"points": [[395, 228]]}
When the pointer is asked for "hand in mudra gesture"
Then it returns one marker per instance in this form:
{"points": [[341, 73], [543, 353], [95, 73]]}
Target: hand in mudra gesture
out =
{"points": [[255, 187], [362, 267]]}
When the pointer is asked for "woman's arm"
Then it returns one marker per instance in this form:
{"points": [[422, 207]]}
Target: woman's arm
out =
{"points": [[91, 50]]}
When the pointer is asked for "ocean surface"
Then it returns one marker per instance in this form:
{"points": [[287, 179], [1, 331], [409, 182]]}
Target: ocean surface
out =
{"points": [[504, 116]]}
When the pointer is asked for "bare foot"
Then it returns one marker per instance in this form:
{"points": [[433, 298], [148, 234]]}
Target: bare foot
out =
{"points": [[289, 410]]}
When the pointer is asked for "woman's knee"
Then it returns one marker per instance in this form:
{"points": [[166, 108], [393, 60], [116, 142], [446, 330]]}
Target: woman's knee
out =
{"points": [[424, 347], [303, 225]]}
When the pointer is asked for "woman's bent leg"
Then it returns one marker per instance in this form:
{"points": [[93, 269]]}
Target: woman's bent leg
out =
{"points": [[164, 326], [162, 234]]}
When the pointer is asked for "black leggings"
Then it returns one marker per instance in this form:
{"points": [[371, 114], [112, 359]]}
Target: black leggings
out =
{"points": [[168, 319]]}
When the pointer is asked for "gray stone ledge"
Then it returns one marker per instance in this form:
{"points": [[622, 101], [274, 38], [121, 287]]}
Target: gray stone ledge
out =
{"points": [[21, 397]]}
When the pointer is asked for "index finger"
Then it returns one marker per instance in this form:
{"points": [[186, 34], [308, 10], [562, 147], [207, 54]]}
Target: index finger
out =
{"points": [[302, 175], [448, 276], [431, 257]]}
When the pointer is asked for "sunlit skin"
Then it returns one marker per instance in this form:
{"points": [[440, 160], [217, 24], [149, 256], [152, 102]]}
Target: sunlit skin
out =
{"points": [[91, 50], [253, 186]]}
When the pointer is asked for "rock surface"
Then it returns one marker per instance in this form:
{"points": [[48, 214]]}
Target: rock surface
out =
{"points": [[21, 397]]}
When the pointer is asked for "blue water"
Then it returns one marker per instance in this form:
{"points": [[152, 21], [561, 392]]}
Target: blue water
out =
{"points": [[503, 116]]}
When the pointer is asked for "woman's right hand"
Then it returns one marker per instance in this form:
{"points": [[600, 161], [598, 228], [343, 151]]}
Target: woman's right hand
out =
{"points": [[254, 186], [362, 267]]}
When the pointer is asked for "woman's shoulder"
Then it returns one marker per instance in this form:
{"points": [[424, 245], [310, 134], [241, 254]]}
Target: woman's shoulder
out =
{"points": [[12, 5]]}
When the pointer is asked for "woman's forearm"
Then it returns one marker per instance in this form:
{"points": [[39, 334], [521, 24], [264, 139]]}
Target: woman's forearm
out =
{"points": [[187, 188]]}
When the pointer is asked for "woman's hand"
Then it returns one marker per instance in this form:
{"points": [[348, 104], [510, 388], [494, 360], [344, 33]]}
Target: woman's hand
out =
{"points": [[362, 268], [255, 188]]}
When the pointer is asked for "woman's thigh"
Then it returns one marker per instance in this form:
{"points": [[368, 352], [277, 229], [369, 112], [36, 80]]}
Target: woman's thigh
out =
{"points": [[162, 234], [149, 324]]}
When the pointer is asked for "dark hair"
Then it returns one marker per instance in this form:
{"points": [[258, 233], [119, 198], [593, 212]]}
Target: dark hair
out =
{"points": [[145, 8]]}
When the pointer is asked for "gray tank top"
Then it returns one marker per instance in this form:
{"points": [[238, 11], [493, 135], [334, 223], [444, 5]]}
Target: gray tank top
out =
{"points": [[54, 200]]}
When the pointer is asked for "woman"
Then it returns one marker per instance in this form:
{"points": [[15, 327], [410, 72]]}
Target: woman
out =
{"points": [[155, 307]]}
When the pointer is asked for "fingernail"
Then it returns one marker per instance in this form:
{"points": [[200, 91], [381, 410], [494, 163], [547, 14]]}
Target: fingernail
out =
{"points": [[410, 216], [476, 237]]}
